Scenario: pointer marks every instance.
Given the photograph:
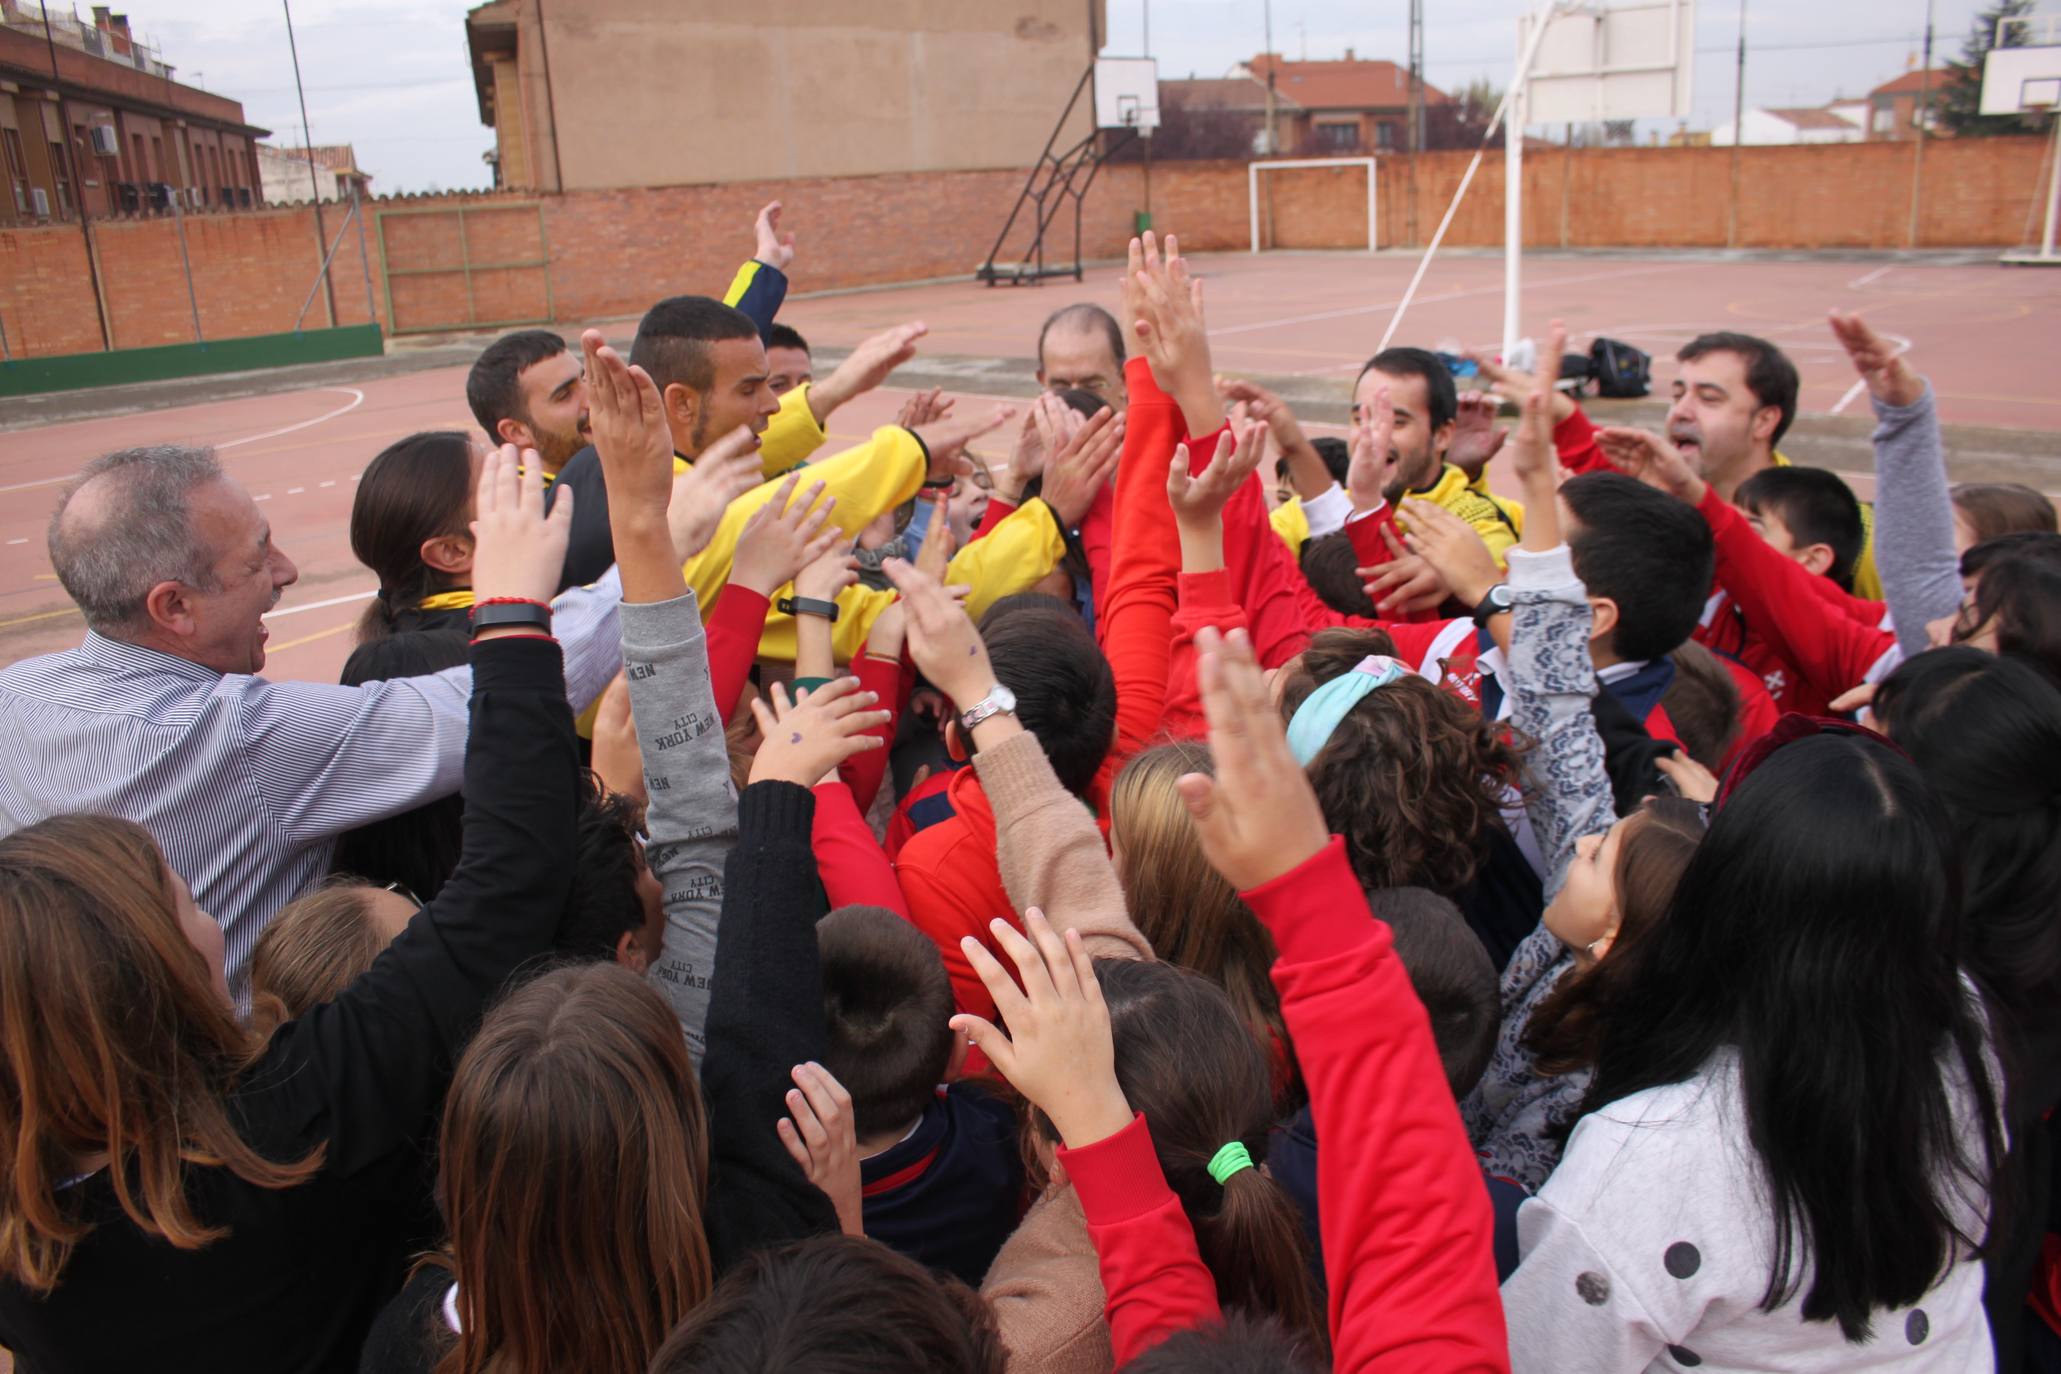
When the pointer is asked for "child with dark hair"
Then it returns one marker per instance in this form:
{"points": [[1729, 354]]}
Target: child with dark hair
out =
{"points": [[617, 907], [1702, 704], [942, 1179], [835, 1305], [1332, 567], [1034, 663], [1807, 514]]}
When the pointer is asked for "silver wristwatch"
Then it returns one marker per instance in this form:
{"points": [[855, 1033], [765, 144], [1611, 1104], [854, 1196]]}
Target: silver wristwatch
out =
{"points": [[999, 701]]}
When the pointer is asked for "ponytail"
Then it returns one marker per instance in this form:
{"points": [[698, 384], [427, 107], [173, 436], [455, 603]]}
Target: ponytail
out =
{"points": [[417, 489], [1203, 1080]]}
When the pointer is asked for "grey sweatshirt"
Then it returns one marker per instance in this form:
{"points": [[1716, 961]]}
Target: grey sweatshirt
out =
{"points": [[1914, 520], [692, 815]]}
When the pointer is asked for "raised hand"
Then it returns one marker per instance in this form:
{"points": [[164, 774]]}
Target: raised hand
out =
{"points": [[1454, 550], [924, 407], [1533, 456], [618, 759], [943, 642], [1517, 385], [1653, 460], [1305, 465], [631, 437], [518, 551], [1476, 436], [1881, 363], [1172, 331], [726, 470], [936, 554], [1406, 584], [774, 248], [1059, 1052], [804, 740], [1047, 426], [1199, 502], [829, 572], [1082, 467], [784, 536], [946, 439], [1258, 817], [823, 1138], [1374, 460], [1691, 779], [866, 367]]}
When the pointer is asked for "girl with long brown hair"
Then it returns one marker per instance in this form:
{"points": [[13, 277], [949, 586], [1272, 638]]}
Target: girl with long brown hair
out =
{"points": [[178, 1194], [1184, 908]]}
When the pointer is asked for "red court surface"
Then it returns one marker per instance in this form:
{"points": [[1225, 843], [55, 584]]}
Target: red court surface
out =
{"points": [[1983, 333]]}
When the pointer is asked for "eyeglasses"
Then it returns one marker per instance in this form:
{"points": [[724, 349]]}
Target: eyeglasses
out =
{"points": [[401, 889]]}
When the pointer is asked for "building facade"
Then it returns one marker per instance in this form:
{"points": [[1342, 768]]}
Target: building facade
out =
{"points": [[110, 132], [292, 176], [585, 94], [1769, 128], [1895, 108]]}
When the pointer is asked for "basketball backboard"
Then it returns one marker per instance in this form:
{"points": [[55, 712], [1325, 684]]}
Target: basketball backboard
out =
{"points": [[2021, 80], [1127, 93], [1600, 62]]}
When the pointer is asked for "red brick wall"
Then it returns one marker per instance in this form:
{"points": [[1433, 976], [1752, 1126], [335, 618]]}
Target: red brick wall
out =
{"points": [[611, 253]]}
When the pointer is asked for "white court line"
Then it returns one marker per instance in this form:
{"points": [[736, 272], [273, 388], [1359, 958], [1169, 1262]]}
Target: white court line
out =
{"points": [[327, 484], [266, 497], [1877, 275], [295, 491], [1427, 300], [319, 605], [357, 399], [12, 542], [1903, 346]]}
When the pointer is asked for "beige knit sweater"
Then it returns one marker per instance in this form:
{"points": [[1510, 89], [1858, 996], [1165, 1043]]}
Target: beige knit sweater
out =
{"points": [[1051, 852], [1045, 1287]]}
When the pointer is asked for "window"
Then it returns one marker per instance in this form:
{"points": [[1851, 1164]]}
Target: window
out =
{"points": [[1384, 136], [1338, 138], [1885, 119], [141, 166], [63, 178], [157, 151], [17, 169]]}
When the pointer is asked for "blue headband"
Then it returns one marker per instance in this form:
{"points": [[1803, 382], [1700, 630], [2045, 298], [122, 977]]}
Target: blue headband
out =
{"points": [[1319, 715]]}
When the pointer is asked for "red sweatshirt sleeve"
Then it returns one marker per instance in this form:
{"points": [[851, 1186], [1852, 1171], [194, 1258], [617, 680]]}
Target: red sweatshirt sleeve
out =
{"points": [[1574, 439], [1372, 551], [1134, 616], [862, 772], [1833, 651], [1206, 599], [735, 623], [1407, 1229], [854, 868], [998, 510], [1153, 1278]]}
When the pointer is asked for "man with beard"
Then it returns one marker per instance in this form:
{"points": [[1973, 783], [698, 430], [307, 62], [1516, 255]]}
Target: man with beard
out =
{"points": [[530, 390]]}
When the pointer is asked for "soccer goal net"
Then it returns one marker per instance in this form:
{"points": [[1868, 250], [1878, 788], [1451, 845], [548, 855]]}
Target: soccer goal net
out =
{"points": [[1255, 181]]}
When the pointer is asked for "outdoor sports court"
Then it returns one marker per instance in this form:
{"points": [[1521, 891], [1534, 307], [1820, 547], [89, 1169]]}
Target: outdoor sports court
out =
{"points": [[1985, 334]]}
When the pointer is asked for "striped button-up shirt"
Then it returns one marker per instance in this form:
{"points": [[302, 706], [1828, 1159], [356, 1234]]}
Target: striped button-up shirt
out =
{"points": [[244, 783]]}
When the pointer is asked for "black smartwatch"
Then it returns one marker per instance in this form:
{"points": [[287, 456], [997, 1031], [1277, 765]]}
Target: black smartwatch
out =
{"points": [[525, 613], [1498, 601], [807, 605]]}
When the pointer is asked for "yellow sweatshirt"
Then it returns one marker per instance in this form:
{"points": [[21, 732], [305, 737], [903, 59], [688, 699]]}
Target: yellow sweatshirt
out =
{"points": [[1451, 490], [1008, 559]]}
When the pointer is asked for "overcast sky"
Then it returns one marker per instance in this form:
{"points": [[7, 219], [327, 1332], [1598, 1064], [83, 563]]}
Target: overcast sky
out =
{"points": [[392, 77]]}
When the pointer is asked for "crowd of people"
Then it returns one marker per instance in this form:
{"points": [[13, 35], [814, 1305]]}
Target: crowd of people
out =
{"points": [[1112, 883]]}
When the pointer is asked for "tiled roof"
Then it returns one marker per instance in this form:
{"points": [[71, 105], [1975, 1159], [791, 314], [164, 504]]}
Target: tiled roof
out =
{"points": [[1347, 85], [1911, 83]]}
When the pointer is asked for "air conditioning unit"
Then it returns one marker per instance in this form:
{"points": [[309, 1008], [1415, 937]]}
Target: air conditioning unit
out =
{"points": [[105, 141], [160, 194], [42, 201]]}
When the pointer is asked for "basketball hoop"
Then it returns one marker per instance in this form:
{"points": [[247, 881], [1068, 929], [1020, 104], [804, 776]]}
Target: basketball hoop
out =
{"points": [[2027, 81]]}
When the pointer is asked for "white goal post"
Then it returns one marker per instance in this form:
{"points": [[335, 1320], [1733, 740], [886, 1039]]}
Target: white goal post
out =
{"points": [[1253, 169]]}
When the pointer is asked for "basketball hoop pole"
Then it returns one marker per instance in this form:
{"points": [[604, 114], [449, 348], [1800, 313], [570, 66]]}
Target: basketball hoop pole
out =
{"points": [[1513, 214], [2053, 190]]}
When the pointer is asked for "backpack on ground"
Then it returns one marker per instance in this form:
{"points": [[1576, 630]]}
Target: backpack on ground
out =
{"points": [[1620, 370]]}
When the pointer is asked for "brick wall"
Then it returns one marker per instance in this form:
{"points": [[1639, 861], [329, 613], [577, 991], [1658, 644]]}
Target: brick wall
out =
{"points": [[611, 253]]}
